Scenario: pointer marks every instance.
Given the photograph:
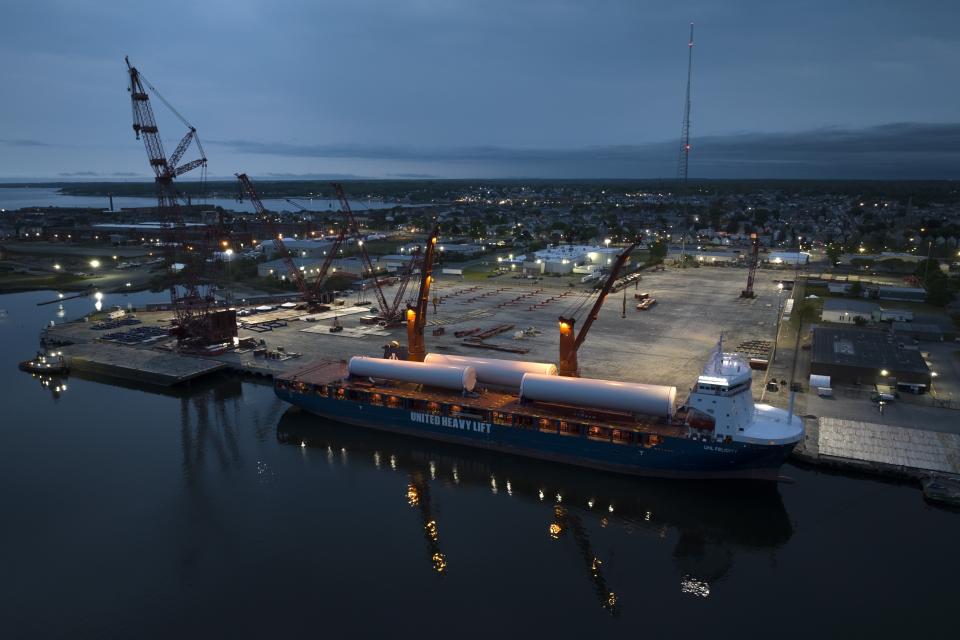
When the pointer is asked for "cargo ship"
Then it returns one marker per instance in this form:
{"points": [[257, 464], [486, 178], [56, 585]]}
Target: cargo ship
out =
{"points": [[525, 408]]}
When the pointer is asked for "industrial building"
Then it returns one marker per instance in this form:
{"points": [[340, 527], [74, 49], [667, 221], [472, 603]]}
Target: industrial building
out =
{"points": [[866, 356], [305, 248], [848, 311], [918, 331], [309, 266], [906, 294], [790, 258]]}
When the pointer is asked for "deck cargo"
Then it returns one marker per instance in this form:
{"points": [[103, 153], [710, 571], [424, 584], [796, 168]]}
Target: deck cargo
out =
{"points": [[443, 376], [504, 373], [645, 399]]}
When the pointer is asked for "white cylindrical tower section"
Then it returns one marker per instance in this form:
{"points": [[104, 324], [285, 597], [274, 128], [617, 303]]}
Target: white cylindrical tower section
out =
{"points": [[646, 399], [444, 376], [504, 373]]}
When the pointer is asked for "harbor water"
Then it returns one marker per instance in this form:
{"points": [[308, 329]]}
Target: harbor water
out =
{"points": [[216, 510], [12, 198]]}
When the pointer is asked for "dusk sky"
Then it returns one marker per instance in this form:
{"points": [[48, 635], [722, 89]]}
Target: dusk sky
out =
{"points": [[487, 88]]}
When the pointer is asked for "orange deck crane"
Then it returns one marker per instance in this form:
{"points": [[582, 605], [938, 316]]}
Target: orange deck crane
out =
{"points": [[417, 313], [570, 342]]}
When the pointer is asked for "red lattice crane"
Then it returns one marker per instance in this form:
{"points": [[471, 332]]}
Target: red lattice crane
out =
{"points": [[387, 313], [292, 270], [570, 343], [190, 301], [752, 272]]}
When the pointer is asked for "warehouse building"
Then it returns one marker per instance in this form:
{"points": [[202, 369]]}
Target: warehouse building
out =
{"points": [[918, 331], [906, 294], [848, 311], [866, 356]]}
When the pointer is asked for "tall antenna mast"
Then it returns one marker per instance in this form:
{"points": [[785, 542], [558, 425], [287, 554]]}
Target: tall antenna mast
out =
{"points": [[685, 132]]}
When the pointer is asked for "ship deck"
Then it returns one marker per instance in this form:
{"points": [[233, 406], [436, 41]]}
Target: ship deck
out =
{"points": [[330, 372]]}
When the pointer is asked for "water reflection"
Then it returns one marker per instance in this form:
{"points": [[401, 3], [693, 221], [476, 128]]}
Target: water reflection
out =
{"points": [[711, 522], [56, 385]]}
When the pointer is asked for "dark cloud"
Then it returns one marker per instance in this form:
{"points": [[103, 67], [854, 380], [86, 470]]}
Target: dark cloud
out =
{"points": [[414, 176], [307, 176], [904, 150]]}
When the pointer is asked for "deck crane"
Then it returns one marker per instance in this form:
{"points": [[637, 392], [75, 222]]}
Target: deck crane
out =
{"points": [[191, 305], [388, 314], [299, 206], [752, 273], [294, 272], [417, 313], [570, 343]]}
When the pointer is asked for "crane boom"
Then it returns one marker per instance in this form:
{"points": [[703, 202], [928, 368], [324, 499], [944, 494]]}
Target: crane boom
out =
{"points": [[191, 307], [570, 343], [752, 272], [299, 206], [385, 309], [295, 274], [417, 313]]}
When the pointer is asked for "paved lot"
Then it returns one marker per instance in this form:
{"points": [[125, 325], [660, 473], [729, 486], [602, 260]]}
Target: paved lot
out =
{"points": [[667, 344]]}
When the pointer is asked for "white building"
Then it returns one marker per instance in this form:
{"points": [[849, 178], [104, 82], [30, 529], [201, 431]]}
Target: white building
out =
{"points": [[790, 258], [848, 311]]}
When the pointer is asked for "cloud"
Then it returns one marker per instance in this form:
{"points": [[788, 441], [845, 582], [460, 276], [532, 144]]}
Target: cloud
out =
{"points": [[889, 151], [23, 143], [307, 176], [413, 176]]}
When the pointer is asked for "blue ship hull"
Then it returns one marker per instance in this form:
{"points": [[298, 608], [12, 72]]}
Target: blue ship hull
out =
{"points": [[672, 457]]}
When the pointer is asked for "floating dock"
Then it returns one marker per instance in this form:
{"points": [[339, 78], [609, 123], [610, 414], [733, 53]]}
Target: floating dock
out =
{"points": [[147, 366]]}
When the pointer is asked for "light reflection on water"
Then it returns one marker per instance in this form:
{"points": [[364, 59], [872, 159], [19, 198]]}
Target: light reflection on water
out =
{"points": [[707, 537]]}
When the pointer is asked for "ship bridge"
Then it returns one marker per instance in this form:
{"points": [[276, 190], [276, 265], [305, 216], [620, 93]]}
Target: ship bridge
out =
{"points": [[722, 395]]}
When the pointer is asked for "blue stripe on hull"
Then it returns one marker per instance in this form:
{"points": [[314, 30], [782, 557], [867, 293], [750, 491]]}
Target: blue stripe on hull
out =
{"points": [[673, 457]]}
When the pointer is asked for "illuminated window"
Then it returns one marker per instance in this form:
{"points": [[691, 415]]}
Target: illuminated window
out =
{"points": [[504, 419], [376, 399], [434, 408], [621, 437], [341, 394], [599, 433], [568, 429], [547, 426], [394, 402]]}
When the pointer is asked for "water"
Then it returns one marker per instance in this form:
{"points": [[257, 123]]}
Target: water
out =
{"points": [[215, 510], [18, 197]]}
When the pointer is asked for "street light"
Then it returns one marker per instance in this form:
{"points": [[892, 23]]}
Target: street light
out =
{"points": [[95, 263], [884, 373]]}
